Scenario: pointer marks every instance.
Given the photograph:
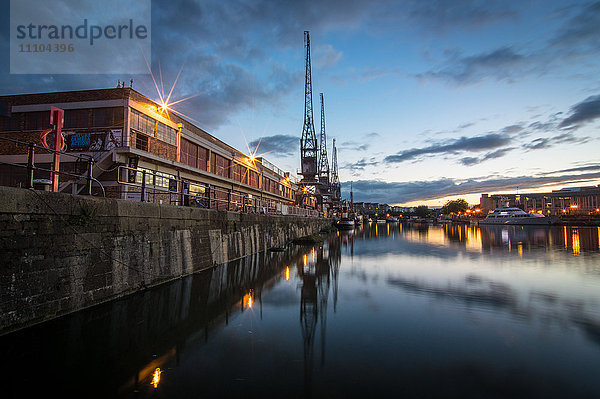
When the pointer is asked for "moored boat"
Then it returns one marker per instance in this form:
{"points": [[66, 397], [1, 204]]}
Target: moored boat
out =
{"points": [[512, 215], [345, 222]]}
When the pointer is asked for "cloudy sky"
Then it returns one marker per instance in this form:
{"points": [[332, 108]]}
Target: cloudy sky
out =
{"points": [[428, 100]]}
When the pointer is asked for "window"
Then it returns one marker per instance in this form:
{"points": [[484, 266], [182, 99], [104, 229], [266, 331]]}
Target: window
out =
{"points": [[166, 133], [37, 120], [107, 117], [77, 118], [189, 153], [238, 173], [219, 165], [162, 179], [252, 178], [147, 125], [12, 123], [142, 123], [141, 142], [202, 158]]}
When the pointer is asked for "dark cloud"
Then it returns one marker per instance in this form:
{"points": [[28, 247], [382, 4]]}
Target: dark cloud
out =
{"points": [[585, 168], [279, 144], [463, 144], [503, 63], [581, 29], [502, 141], [401, 192], [353, 145], [469, 161], [583, 112], [547, 142], [440, 16], [577, 39], [361, 164]]}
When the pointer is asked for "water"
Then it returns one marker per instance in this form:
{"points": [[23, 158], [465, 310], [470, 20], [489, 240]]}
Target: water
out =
{"points": [[387, 310]]}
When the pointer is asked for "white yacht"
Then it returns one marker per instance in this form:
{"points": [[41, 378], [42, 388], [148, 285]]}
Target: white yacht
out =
{"points": [[510, 215]]}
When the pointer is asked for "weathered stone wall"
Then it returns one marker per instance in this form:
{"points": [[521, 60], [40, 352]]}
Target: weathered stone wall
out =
{"points": [[61, 253]]}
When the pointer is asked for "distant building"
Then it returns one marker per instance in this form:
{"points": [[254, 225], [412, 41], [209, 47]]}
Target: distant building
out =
{"points": [[567, 201]]}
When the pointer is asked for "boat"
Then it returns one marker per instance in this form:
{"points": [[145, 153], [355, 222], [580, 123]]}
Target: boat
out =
{"points": [[511, 215], [345, 222], [391, 219]]}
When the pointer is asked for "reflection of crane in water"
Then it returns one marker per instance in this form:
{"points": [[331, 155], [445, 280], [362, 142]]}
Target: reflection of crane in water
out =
{"points": [[308, 314], [317, 271]]}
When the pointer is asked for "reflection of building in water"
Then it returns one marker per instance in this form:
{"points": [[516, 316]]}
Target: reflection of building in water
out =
{"points": [[195, 306], [317, 270], [520, 239], [526, 238]]}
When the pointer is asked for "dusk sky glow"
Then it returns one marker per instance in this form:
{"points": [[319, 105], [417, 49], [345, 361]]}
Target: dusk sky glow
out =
{"points": [[427, 100]]}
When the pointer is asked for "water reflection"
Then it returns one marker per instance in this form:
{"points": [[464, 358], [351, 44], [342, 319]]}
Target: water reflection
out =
{"points": [[382, 310], [520, 239]]}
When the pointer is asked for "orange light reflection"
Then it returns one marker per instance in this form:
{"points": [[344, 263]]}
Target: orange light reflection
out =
{"points": [[156, 377]]}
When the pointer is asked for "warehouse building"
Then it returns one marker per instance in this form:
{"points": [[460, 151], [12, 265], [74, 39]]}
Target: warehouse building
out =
{"points": [[140, 151]]}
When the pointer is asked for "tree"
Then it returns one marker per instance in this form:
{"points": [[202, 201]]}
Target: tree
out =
{"points": [[422, 211], [455, 206]]}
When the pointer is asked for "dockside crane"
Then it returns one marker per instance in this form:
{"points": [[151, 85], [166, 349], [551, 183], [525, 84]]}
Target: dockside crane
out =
{"points": [[308, 143], [336, 191], [323, 161]]}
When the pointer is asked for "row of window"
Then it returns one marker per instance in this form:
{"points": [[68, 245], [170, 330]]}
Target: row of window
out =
{"points": [[196, 156], [151, 127], [74, 119]]}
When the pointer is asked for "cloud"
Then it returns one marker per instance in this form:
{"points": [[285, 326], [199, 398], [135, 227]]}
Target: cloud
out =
{"points": [[326, 56], [439, 16], [463, 144], [503, 63], [499, 143], [402, 192], [581, 29], [279, 144], [577, 39], [353, 145], [361, 164], [469, 161], [584, 112], [585, 168]]}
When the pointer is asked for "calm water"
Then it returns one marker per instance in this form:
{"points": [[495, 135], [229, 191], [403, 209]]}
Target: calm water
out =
{"points": [[383, 311]]}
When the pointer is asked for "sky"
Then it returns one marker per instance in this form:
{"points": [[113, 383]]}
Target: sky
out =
{"points": [[428, 100]]}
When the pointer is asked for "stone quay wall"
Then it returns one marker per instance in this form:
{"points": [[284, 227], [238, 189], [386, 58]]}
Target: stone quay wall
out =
{"points": [[60, 253]]}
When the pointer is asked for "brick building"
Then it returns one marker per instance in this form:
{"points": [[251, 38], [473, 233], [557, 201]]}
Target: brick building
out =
{"points": [[138, 149]]}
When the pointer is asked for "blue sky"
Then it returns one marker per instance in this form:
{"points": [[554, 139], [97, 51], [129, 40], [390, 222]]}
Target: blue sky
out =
{"points": [[427, 100]]}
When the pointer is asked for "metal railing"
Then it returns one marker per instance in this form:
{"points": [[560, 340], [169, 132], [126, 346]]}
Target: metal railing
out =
{"points": [[142, 184], [151, 186], [32, 151]]}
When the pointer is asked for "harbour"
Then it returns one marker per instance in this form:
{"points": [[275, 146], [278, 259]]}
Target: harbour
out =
{"points": [[181, 218], [381, 310]]}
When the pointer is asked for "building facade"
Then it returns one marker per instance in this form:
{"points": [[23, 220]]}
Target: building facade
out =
{"points": [[567, 201], [140, 151]]}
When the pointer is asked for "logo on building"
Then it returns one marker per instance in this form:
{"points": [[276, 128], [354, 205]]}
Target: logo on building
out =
{"points": [[79, 37]]}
